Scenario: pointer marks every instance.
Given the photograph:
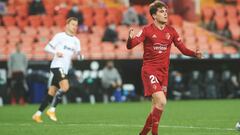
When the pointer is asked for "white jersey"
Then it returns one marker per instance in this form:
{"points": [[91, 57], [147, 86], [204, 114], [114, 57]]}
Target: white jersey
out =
{"points": [[66, 44]]}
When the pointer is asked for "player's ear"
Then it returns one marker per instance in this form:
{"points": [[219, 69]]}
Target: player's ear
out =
{"points": [[154, 16]]}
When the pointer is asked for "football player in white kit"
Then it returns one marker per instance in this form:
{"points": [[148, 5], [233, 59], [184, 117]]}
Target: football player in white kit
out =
{"points": [[63, 46]]}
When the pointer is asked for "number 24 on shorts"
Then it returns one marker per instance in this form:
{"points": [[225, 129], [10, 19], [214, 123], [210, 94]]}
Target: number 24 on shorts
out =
{"points": [[153, 79]]}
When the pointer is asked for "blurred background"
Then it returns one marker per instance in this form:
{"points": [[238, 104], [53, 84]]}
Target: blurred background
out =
{"points": [[26, 26]]}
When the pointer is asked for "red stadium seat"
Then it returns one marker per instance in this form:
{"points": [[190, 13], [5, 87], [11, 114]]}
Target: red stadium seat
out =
{"points": [[39, 55], [175, 20], [108, 50], [96, 52], [11, 10], [13, 31], [26, 39], [88, 21], [22, 10], [3, 32], [30, 31], [204, 47], [13, 39], [139, 9], [100, 12], [114, 15], [94, 41], [63, 11], [43, 40], [202, 39], [47, 21], [60, 20], [49, 8], [113, 19], [190, 40], [179, 30], [34, 21], [4, 55], [216, 47], [9, 21], [21, 22], [121, 51], [84, 47], [3, 42], [87, 11], [221, 23], [84, 38], [231, 11], [98, 31], [55, 30], [219, 11], [122, 30], [26, 47], [107, 46], [44, 31], [207, 14], [235, 32], [11, 47], [99, 21]]}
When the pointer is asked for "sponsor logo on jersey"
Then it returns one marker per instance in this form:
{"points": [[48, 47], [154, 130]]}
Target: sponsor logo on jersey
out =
{"points": [[68, 48], [159, 47]]}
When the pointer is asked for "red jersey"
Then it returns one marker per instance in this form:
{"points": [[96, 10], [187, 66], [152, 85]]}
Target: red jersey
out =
{"points": [[157, 45]]}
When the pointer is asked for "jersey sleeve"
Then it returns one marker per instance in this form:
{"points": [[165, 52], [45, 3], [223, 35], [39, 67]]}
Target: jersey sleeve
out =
{"points": [[50, 47], [55, 40], [140, 37], [180, 45]]}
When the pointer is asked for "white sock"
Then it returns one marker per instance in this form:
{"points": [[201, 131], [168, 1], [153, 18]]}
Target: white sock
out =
{"points": [[52, 109], [38, 113]]}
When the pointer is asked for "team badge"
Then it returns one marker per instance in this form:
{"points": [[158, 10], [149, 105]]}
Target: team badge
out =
{"points": [[167, 36]]}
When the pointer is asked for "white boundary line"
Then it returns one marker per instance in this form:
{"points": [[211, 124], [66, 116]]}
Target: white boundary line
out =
{"points": [[115, 125]]}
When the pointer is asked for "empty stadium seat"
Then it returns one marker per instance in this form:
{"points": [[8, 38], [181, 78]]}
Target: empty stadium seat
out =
{"points": [[9, 20], [34, 21], [47, 21], [207, 13]]}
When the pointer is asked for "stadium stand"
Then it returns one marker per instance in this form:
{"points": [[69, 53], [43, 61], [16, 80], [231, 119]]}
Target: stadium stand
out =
{"points": [[35, 30]]}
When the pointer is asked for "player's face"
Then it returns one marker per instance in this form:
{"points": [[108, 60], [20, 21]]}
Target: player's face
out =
{"points": [[161, 15], [72, 26]]}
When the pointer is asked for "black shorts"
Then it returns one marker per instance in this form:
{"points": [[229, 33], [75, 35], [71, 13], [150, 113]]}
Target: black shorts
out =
{"points": [[57, 76]]}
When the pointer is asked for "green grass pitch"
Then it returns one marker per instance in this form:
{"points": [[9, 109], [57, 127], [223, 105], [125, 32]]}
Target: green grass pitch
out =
{"points": [[204, 117]]}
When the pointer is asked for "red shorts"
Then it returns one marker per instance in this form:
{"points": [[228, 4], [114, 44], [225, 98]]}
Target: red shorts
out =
{"points": [[154, 80]]}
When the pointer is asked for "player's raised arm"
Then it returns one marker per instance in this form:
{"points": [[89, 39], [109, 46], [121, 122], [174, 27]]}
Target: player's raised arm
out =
{"points": [[135, 40], [184, 50]]}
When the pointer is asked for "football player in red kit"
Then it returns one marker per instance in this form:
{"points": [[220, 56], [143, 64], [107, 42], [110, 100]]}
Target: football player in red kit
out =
{"points": [[157, 39]]}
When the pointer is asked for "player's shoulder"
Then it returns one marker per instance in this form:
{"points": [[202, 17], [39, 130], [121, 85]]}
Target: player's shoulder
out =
{"points": [[76, 39], [59, 34], [148, 26], [170, 28]]}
